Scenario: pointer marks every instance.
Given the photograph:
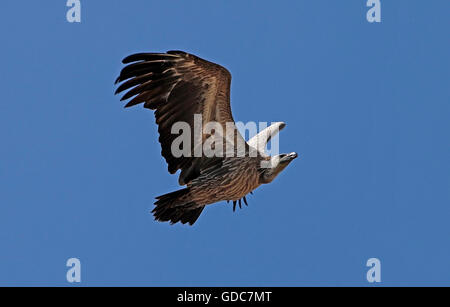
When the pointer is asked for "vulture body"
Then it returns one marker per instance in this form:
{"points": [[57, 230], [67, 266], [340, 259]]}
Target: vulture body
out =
{"points": [[179, 86]]}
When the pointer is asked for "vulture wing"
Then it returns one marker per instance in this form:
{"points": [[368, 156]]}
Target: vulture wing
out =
{"points": [[178, 85]]}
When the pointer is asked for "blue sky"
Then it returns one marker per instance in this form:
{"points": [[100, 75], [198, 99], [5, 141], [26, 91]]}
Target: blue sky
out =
{"points": [[367, 107]]}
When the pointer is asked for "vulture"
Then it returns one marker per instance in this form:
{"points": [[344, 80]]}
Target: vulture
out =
{"points": [[179, 87]]}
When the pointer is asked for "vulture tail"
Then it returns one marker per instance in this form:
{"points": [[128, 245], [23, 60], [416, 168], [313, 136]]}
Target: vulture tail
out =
{"points": [[177, 207]]}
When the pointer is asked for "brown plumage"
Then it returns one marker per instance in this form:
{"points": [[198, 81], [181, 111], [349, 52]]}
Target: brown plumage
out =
{"points": [[178, 85]]}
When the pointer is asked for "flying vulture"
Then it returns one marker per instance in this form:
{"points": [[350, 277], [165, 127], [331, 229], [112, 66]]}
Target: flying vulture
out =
{"points": [[179, 86]]}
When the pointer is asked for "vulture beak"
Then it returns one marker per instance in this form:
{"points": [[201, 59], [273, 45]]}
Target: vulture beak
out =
{"points": [[289, 157]]}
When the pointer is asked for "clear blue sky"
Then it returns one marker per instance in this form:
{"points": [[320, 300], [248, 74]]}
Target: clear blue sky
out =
{"points": [[367, 107]]}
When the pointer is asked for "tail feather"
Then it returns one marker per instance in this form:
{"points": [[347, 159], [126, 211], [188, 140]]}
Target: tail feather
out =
{"points": [[177, 207]]}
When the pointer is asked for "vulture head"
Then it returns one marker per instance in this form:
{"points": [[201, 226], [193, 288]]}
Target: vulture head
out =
{"points": [[277, 164]]}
